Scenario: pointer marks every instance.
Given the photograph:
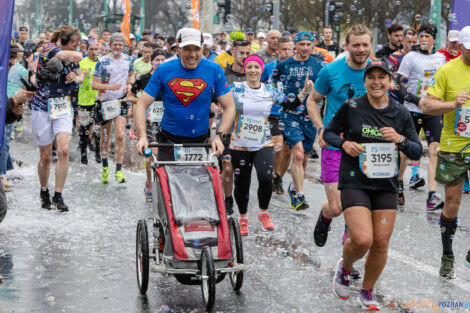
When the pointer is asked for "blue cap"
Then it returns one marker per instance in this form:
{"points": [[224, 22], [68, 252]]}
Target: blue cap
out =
{"points": [[303, 35]]}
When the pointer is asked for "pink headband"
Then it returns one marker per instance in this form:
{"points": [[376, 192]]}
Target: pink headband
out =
{"points": [[256, 59]]}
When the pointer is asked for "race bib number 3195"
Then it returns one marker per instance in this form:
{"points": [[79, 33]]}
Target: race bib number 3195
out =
{"points": [[380, 160]]}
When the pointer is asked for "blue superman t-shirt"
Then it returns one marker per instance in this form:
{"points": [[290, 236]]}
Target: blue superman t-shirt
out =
{"points": [[187, 95], [339, 82]]}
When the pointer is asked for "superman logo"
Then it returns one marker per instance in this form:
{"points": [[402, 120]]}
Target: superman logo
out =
{"points": [[187, 89]]}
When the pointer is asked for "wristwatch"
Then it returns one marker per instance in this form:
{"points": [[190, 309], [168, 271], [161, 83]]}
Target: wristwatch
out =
{"points": [[403, 141], [222, 135]]}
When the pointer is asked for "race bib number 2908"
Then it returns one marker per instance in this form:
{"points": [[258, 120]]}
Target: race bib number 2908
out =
{"points": [[380, 160], [251, 129]]}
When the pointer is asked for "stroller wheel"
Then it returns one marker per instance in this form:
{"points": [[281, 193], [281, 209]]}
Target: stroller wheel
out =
{"points": [[142, 257], [236, 278], [207, 277]]}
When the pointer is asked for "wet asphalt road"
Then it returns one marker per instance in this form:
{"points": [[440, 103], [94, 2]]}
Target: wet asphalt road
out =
{"points": [[84, 260]]}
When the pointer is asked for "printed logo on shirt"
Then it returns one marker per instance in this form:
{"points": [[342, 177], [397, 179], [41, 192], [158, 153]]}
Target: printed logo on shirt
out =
{"points": [[371, 132], [187, 89]]}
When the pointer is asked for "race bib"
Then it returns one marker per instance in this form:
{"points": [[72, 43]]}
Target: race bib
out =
{"points": [[155, 112], [251, 129], [425, 83], [380, 160], [83, 117], [59, 107], [110, 109], [190, 154], [462, 122]]}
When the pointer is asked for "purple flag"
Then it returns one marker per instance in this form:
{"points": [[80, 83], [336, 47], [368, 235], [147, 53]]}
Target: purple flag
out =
{"points": [[460, 17], [6, 19]]}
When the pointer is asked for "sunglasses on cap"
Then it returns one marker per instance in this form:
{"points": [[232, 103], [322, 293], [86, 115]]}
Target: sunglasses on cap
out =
{"points": [[240, 42]]}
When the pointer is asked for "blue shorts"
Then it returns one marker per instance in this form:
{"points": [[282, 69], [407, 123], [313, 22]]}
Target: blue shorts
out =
{"points": [[298, 128]]}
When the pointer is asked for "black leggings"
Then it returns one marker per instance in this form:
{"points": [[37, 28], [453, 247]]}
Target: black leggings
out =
{"points": [[242, 162]]}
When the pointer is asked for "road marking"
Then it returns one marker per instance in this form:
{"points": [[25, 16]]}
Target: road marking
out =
{"points": [[420, 266]]}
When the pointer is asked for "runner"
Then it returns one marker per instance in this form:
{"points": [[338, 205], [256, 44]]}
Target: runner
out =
{"points": [[51, 117], [453, 50], [226, 57], [235, 72], [187, 85], [252, 144], [395, 37], [154, 113], [299, 131], [269, 54], [338, 81], [368, 181], [328, 43], [450, 96], [113, 77], [282, 155], [143, 65], [418, 68], [410, 39], [86, 102]]}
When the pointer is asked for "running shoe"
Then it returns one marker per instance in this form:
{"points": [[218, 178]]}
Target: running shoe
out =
{"points": [[313, 154], [467, 259], [148, 191], [120, 178], [291, 194], [229, 205], [416, 182], [84, 159], [401, 195], [301, 203], [45, 200], [435, 203], [366, 300], [280, 189], [59, 205], [105, 175], [265, 220], [341, 282], [447, 266], [97, 156], [355, 274], [320, 234], [276, 179], [243, 225]]}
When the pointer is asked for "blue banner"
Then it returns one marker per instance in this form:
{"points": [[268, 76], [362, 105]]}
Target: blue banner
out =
{"points": [[460, 17], [6, 20]]}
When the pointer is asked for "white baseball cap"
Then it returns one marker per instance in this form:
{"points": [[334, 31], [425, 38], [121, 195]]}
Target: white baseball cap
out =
{"points": [[189, 36], [465, 37], [453, 36], [208, 39], [260, 35]]}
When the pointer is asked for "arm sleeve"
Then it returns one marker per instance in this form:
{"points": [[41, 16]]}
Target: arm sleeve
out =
{"points": [[155, 85], [413, 149], [336, 126], [322, 83], [221, 85]]}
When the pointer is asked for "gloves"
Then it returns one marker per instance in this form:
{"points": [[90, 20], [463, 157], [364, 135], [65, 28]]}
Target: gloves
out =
{"points": [[404, 95]]}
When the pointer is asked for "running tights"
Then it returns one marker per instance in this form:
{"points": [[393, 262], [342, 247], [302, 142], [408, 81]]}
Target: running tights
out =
{"points": [[243, 162]]}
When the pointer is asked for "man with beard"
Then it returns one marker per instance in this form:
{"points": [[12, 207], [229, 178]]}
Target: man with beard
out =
{"points": [[395, 36], [339, 81]]}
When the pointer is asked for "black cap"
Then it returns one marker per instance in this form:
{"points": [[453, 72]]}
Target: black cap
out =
{"points": [[222, 41], [249, 31], [378, 64]]}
